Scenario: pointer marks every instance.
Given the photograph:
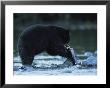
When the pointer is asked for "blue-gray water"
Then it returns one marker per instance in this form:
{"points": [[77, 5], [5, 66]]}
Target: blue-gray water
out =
{"points": [[53, 65]]}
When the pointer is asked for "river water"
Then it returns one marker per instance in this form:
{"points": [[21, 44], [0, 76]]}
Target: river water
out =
{"points": [[53, 65]]}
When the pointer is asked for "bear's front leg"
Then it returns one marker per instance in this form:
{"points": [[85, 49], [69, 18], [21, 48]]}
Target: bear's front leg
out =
{"points": [[61, 50]]}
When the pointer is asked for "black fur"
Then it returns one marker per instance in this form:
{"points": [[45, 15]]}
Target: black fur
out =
{"points": [[38, 38]]}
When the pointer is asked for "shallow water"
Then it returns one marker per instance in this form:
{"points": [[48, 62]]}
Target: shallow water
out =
{"points": [[53, 65]]}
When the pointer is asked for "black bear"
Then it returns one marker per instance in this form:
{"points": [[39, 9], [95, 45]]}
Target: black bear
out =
{"points": [[38, 38]]}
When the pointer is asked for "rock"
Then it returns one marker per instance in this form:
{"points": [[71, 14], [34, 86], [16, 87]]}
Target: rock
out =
{"points": [[88, 54], [90, 61]]}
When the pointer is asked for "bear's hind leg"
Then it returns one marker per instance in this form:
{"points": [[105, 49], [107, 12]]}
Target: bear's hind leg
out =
{"points": [[27, 60], [26, 56]]}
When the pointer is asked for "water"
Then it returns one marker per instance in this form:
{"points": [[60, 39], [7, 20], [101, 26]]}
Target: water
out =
{"points": [[83, 40], [53, 65]]}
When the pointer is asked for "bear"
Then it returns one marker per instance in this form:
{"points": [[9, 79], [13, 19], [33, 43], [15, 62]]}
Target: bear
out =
{"points": [[36, 39]]}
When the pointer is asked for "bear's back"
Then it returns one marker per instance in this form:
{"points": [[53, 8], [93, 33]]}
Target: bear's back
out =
{"points": [[41, 30]]}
